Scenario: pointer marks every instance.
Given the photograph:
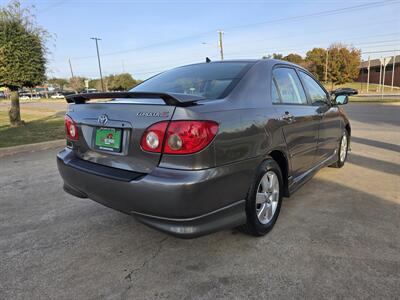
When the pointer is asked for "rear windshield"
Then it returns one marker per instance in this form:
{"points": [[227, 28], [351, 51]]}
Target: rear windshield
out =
{"points": [[210, 80]]}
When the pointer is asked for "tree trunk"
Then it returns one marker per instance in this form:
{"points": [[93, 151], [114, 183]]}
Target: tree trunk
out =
{"points": [[14, 113]]}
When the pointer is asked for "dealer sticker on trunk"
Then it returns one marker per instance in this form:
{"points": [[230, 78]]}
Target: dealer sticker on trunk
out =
{"points": [[108, 139]]}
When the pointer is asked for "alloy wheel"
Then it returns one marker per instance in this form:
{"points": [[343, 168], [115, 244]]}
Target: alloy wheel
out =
{"points": [[343, 148], [267, 197]]}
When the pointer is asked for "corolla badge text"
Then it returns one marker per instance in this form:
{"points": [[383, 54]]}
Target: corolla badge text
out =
{"points": [[152, 114]]}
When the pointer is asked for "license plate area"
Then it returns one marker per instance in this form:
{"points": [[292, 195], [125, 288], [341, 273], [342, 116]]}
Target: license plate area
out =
{"points": [[108, 139]]}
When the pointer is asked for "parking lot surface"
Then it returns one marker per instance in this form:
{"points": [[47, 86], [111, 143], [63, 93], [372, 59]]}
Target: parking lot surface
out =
{"points": [[337, 237]]}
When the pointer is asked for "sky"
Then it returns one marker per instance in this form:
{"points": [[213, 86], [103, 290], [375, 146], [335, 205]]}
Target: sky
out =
{"points": [[146, 37]]}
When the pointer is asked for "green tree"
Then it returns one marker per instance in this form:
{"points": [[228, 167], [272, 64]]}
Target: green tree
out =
{"points": [[315, 62], [77, 83], [22, 53], [95, 84], [343, 63], [294, 58], [273, 55], [121, 82], [60, 82]]}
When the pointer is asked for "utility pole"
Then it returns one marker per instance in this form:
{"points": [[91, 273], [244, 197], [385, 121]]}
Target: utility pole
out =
{"points": [[369, 66], [326, 66], [394, 62], [385, 62], [221, 47], [98, 58], [380, 74], [70, 67]]}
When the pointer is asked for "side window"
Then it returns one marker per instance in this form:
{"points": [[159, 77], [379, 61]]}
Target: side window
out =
{"points": [[289, 86], [317, 94], [274, 93]]}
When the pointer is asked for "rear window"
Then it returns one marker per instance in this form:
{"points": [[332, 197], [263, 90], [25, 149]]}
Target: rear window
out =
{"points": [[210, 80]]}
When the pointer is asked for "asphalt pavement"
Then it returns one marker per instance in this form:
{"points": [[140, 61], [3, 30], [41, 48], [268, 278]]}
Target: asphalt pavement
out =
{"points": [[337, 237]]}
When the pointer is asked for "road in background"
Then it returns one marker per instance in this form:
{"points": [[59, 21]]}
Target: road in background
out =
{"points": [[337, 237]]}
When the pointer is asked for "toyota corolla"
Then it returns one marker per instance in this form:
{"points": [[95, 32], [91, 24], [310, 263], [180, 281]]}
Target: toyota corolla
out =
{"points": [[206, 146]]}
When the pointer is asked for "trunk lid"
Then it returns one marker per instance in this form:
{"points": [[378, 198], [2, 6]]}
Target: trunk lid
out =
{"points": [[128, 117]]}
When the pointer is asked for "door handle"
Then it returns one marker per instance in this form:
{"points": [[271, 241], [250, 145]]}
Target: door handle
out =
{"points": [[287, 116]]}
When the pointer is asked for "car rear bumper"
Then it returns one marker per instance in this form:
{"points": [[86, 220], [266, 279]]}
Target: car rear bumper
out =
{"points": [[181, 202]]}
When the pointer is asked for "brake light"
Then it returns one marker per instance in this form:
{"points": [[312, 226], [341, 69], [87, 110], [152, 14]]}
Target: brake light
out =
{"points": [[71, 129], [185, 137], [179, 137]]}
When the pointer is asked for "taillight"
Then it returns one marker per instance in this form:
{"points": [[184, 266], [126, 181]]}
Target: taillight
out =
{"points": [[153, 138], [179, 137], [71, 129], [185, 137]]}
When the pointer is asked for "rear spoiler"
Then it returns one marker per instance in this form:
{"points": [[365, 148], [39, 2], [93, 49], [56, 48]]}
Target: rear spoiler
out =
{"points": [[174, 99]]}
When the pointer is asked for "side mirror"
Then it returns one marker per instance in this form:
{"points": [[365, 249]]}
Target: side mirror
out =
{"points": [[341, 99]]}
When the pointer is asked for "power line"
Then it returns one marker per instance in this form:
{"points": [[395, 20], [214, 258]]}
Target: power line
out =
{"points": [[51, 6], [382, 51], [294, 48], [328, 12], [195, 59], [321, 13], [233, 45], [281, 20]]}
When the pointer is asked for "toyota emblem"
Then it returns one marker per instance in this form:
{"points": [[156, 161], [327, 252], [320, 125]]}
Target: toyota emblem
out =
{"points": [[103, 119]]}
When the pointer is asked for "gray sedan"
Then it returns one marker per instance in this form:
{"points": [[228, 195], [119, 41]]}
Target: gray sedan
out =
{"points": [[206, 146]]}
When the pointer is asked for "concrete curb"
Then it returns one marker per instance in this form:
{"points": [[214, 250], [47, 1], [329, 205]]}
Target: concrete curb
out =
{"points": [[31, 147]]}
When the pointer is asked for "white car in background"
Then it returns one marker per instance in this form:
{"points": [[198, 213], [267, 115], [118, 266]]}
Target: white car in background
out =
{"points": [[24, 97], [29, 97], [57, 96]]}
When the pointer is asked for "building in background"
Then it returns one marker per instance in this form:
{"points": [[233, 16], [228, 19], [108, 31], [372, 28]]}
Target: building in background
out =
{"points": [[375, 68]]}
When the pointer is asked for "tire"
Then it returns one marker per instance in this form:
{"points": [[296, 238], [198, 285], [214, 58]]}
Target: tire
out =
{"points": [[341, 158], [260, 222]]}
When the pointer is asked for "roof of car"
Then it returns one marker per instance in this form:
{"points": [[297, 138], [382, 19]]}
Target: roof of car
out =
{"points": [[266, 60]]}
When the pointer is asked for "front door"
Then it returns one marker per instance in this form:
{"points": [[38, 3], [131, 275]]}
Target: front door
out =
{"points": [[329, 128]]}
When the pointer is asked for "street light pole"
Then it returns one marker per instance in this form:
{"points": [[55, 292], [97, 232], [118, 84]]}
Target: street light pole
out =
{"points": [[98, 58]]}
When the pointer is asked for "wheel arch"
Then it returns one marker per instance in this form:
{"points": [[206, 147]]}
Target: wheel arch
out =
{"points": [[348, 128], [280, 158]]}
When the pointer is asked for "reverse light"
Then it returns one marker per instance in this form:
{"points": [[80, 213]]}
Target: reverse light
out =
{"points": [[71, 129]]}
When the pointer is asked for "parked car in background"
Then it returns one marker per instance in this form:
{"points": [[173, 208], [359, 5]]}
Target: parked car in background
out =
{"points": [[88, 91], [345, 91], [206, 146], [26, 96], [66, 93], [57, 96]]}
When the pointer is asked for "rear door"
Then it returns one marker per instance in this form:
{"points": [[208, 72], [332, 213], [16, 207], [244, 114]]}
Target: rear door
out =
{"points": [[329, 128], [298, 119], [110, 132]]}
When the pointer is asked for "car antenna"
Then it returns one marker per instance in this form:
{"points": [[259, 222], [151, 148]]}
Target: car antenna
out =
{"points": [[208, 60]]}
